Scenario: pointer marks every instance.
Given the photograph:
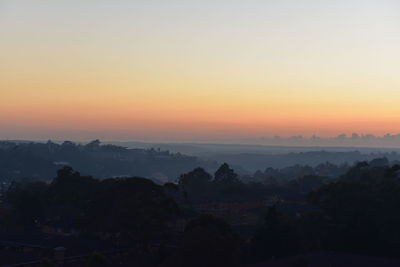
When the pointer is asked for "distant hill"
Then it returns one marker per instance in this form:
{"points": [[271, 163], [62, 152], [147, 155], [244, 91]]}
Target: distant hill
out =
{"points": [[249, 158], [41, 160]]}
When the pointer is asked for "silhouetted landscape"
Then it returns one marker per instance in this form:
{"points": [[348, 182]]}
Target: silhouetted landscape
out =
{"points": [[168, 209], [208, 133], [41, 160]]}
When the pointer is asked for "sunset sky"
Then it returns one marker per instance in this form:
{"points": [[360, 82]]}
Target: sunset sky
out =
{"points": [[198, 70]]}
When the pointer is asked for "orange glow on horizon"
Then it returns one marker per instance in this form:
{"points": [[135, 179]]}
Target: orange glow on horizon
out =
{"points": [[173, 75]]}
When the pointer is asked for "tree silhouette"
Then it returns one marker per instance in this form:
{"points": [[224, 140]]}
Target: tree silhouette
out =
{"points": [[225, 175]]}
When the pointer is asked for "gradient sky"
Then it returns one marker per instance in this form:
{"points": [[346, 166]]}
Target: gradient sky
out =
{"points": [[198, 70]]}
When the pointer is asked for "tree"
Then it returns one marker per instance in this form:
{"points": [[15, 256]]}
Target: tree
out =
{"points": [[362, 207], [226, 180], [225, 175], [135, 208], [27, 202], [196, 178], [69, 195], [196, 184]]}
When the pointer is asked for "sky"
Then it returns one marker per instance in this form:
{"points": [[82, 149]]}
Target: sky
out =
{"points": [[198, 70]]}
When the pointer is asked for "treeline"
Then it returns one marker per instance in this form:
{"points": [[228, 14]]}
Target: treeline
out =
{"points": [[356, 212], [132, 210], [341, 140], [286, 174], [226, 185], [39, 161], [257, 161]]}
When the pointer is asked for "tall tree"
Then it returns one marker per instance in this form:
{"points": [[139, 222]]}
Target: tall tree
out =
{"points": [[225, 174]]}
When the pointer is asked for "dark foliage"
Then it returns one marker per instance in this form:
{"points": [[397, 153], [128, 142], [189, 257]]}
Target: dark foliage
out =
{"points": [[209, 242], [134, 208], [363, 207]]}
